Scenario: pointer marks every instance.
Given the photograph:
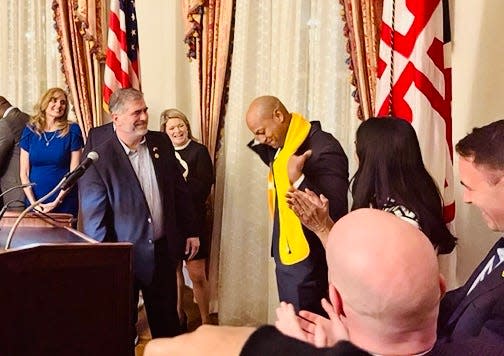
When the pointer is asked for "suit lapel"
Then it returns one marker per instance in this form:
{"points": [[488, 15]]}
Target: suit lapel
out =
{"points": [[124, 163], [491, 282]]}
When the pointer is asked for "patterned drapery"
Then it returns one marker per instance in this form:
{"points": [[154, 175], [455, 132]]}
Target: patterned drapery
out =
{"points": [[208, 33], [208, 37], [362, 29], [193, 12], [80, 25], [29, 57], [295, 50]]}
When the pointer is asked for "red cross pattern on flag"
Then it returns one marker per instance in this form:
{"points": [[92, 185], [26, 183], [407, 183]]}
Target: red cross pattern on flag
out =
{"points": [[414, 51], [122, 67]]}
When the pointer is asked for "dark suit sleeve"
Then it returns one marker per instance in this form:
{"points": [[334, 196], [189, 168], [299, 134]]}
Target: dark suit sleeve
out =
{"points": [[265, 152], [488, 335], [98, 136], [472, 346], [490, 341], [94, 206], [479, 315], [200, 181], [326, 172], [267, 340], [184, 207], [7, 141], [492, 328], [448, 305]]}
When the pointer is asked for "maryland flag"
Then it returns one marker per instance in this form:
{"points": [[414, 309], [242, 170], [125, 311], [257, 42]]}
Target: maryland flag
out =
{"points": [[414, 82]]}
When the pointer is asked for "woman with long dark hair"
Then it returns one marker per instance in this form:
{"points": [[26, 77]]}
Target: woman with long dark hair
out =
{"points": [[391, 176]]}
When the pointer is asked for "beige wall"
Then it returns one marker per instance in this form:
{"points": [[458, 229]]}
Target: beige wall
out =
{"points": [[478, 98], [165, 69]]}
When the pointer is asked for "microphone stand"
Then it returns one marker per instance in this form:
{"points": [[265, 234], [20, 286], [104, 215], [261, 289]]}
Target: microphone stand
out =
{"points": [[6, 206], [29, 208], [55, 223], [17, 187]]}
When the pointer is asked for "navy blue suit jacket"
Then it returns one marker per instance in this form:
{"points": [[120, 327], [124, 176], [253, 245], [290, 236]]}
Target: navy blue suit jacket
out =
{"points": [[479, 315], [326, 172], [113, 205]]}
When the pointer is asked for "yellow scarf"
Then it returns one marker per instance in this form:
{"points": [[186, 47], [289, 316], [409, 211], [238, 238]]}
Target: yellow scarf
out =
{"points": [[292, 244]]}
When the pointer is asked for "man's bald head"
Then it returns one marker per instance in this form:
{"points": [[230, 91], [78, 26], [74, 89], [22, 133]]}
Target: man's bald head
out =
{"points": [[262, 106], [269, 120], [386, 273], [4, 105]]}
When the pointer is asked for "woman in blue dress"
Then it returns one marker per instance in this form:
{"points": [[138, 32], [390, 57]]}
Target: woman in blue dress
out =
{"points": [[50, 148]]}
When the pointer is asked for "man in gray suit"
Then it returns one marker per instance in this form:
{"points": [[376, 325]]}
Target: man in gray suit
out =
{"points": [[12, 122]]}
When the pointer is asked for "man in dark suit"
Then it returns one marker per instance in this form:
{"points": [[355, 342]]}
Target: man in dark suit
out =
{"points": [[476, 310], [299, 154], [135, 193], [12, 122]]}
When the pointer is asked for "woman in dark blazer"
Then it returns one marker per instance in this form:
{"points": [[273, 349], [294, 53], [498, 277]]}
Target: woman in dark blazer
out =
{"points": [[198, 171]]}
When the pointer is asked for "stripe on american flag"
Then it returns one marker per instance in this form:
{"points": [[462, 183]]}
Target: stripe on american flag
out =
{"points": [[122, 67]]}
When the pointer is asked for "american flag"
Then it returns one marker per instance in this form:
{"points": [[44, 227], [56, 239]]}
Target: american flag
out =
{"points": [[414, 47], [122, 68]]}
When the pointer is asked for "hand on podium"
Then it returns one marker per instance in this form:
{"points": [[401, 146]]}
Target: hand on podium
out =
{"points": [[47, 207]]}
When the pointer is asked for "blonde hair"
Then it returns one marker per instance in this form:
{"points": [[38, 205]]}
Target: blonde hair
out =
{"points": [[38, 120], [174, 114]]}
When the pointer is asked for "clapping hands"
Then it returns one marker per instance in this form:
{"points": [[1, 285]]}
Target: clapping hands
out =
{"points": [[312, 210], [310, 327], [289, 323]]}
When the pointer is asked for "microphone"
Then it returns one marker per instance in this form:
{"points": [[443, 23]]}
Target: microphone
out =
{"points": [[65, 183], [71, 177], [17, 187]]}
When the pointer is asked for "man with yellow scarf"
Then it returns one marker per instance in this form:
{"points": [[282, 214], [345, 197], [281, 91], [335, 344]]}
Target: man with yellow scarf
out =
{"points": [[299, 154]]}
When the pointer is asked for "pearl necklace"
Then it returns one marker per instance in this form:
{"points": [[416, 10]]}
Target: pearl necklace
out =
{"points": [[48, 141]]}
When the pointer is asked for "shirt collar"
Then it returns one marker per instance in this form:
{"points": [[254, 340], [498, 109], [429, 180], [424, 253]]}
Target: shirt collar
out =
{"points": [[6, 112], [183, 146], [126, 148]]}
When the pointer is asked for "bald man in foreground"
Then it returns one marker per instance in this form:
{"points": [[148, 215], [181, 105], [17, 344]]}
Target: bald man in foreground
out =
{"points": [[384, 287]]}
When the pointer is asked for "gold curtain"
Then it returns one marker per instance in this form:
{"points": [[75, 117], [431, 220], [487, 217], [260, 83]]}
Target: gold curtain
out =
{"points": [[80, 25], [208, 33], [362, 28], [208, 25], [192, 11]]}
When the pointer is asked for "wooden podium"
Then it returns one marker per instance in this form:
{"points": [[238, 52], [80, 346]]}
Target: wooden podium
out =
{"points": [[37, 228], [62, 295]]}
